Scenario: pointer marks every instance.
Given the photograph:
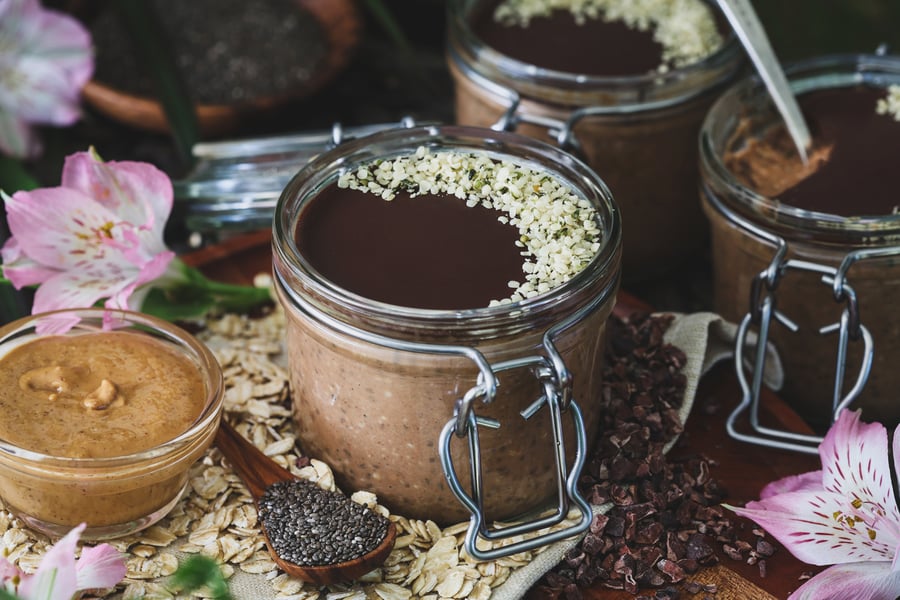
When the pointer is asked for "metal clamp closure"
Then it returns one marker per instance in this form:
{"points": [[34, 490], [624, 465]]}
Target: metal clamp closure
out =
{"points": [[557, 402], [763, 308]]}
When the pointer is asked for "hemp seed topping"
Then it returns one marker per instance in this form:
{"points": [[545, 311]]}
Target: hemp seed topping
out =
{"points": [[559, 231], [686, 29], [311, 526], [890, 105]]}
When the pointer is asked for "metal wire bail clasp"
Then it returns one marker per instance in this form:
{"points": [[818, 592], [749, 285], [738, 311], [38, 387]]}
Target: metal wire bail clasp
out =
{"points": [[555, 382], [763, 309]]}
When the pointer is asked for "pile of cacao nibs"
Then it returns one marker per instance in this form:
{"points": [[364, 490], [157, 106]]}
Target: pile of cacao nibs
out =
{"points": [[666, 520]]}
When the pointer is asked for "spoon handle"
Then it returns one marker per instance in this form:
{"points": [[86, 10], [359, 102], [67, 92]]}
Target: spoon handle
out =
{"points": [[750, 31], [257, 470]]}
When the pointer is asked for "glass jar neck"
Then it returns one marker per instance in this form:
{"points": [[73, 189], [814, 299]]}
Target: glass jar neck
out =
{"points": [[746, 108], [507, 77], [302, 285]]}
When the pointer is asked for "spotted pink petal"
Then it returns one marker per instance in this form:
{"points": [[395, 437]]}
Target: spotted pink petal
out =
{"points": [[852, 516], [823, 528], [136, 192], [855, 462], [859, 581]]}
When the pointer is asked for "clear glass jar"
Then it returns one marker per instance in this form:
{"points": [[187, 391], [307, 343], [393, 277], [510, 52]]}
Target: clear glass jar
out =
{"points": [[120, 494], [746, 228], [375, 386], [638, 132]]}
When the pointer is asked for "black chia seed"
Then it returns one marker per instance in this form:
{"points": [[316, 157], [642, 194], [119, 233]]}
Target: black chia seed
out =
{"points": [[227, 51], [309, 526]]}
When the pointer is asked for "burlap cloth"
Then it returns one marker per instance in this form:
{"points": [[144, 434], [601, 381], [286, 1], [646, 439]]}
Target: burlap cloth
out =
{"points": [[705, 338]]}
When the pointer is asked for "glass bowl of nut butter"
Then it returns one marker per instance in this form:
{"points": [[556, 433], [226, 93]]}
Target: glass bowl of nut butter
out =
{"points": [[104, 412]]}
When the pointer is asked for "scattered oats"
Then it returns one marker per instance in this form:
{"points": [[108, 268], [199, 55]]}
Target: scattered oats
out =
{"points": [[280, 447], [890, 104], [686, 29], [143, 550], [390, 591], [559, 230], [260, 562]]}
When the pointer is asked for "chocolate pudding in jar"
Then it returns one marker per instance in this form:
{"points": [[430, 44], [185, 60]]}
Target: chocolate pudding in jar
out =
{"points": [[624, 85], [843, 201], [417, 265]]}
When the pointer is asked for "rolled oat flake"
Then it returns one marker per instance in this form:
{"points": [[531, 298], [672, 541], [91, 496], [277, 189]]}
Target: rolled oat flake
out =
{"points": [[310, 526]]}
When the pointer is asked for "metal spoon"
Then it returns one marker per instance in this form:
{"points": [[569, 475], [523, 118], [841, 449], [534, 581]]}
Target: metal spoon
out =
{"points": [[748, 28], [259, 472]]}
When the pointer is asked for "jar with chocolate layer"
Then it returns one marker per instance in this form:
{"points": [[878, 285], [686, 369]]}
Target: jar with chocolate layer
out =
{"points": [[609, 90], [406, 378], [814, 246]]}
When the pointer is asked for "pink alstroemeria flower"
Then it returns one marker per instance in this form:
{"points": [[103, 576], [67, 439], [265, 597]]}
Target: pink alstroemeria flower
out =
{"points": [[845, 515], [46, 57], [60, 576], [99, 235]]}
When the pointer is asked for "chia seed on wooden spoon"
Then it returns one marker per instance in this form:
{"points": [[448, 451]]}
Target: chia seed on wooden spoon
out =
{"points": [[313, 534]]}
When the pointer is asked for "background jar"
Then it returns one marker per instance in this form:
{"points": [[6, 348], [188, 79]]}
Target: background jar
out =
{"points": [[745, 223], [638, 132], [375, 412]]}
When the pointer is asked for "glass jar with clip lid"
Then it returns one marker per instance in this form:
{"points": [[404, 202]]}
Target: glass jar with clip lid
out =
{"points": [[815, 248], [444, 408]]}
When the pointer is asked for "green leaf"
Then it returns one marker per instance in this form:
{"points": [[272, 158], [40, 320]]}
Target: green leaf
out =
{"points": [[14, 177], [153, 51], [180, 304], [4, 595], [197, 572]]}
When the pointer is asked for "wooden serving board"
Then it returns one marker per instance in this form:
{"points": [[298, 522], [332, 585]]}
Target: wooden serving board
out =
{"points": [[742, 468]]}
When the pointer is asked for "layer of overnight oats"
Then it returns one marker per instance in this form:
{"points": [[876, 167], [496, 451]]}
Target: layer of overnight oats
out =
{"points": [[451, 233]]}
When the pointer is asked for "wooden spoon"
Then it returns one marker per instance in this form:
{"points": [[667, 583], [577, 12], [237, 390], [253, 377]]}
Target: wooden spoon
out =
{"points": [[258, 472]]}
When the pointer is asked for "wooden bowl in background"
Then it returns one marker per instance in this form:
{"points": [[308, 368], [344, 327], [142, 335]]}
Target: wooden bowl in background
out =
{"points": [[341, 26]]}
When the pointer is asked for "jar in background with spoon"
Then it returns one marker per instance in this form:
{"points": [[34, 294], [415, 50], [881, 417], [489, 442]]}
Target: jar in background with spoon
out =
{"points": [[816, 246], [629, 101]]}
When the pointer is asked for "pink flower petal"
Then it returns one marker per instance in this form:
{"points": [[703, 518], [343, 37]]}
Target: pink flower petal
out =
{"points": [[46, 58], [99, 567], [20, 269], [859, 581], [793, 483], [8, 571], [824, 528], [17, 138], [855, 462], [138, 193], [55, 578]]}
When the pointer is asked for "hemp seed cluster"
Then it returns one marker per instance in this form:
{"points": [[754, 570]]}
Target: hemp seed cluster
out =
{"points": [[559, 231], [890, 105], [686, 29]]}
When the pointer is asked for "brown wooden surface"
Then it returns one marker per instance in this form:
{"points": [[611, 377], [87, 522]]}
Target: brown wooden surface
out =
{"points": [[742, 468]]}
